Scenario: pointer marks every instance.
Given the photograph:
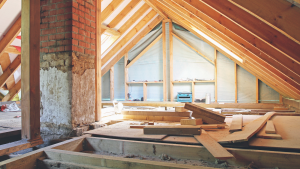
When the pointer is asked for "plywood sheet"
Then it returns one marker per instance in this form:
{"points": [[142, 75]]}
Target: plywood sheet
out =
{"points": [[173, 130], [237, 123]]}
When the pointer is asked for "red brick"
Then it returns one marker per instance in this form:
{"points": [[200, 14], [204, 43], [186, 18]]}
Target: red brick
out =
{"points": [[74, 42], [51, 43], [93, 35], [62, 11], [93, 46], [68, 35], [69, 22], [63, 5], [68, 48], [87, 22], [52, 50], [93, 24], [80, 37], [44, 38], [64, 17], [56, 1], [82, 32], [45, 13], [74, 4], [93, 13], [44, 44], [48, 31], [56, 24], [48, 7], [87, 16], [74, 29], [82, 26], [82, 44], [75, 17], [81, 19], [60, 49], [44, 50], [44, 26]]}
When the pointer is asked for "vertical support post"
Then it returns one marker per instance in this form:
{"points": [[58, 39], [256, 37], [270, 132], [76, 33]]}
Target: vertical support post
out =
{"points": [[216, 81], [257, 90], [145, 91], [280, 99], [193, 92], [164, 61], [30, 77], [98, 63], [112, 77], [235, 81], [126, 76], [171, 60]]}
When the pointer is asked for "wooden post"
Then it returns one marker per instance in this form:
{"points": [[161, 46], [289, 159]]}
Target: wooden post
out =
{"points": [[98, 63], [112, 83], [193, 92], [164, 61], [171, 60], [257, 90], [280, 99], [126, 76], [30, 77], [145, 91], [216, 84], [235, 81]]}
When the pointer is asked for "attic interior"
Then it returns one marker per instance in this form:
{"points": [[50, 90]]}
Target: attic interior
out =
{"points": [[149, 84]]}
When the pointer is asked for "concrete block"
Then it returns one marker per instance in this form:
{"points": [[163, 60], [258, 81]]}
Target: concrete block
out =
{"points": [[50, 57]]}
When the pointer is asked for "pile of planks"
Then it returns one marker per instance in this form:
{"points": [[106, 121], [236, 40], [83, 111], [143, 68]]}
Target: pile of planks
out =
{"points": [[156, 115]]}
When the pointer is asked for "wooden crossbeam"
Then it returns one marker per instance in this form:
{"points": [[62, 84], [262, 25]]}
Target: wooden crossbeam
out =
{"points": [[144, 51], [153, 6], [111, 78], [110, 30], [134, 41], [10, 70], [10, 36], [98, 96], [171, 60], [110, 9], [12, 92], [2, 2], [254, 65], [13, 50], [193, 48]]}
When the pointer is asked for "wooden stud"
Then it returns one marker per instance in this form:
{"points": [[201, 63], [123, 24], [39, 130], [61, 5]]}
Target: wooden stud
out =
{"points": [[257, 90], [112, 77], [145, 91], [194, 49], [126, 76], [30, 77], [98, 76], [164, 61], [144, 51], [171, 60], [109, 9], [235, 82], [10, 36], [193, 92], [216, 81], [280, 99], [12, 92], [10, 70]]}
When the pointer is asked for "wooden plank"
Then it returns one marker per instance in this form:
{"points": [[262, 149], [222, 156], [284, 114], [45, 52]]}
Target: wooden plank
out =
{"points": [[193, 92], [191, 121], [235, 82], [171, 60], [13, 50], [173, 130], [109, 9], [124, 133], [193, 48], [248, 131], [153, 6], [30, 76], [2, 2], [236, 123], [10, 36], [213, 147], [12, 92], [98, 75], [164, 36], [144, 51], [46, 163], [157, 113], [126, 75], [270, 128], [10, 70], [216, 79], [9, 148], [203, 112], [5, 61], [145, 91], [112, 84], [10, 132], [203, 126], [262, 134], [155, 118], [10, 83], [180, 109], [110, 31], [257, 90]]}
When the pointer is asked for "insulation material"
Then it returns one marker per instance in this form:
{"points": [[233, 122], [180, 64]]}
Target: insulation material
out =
{"points": [[201, 89], [105, 85], [119, 81], [267, 94], [116, 11], [225, 79], [246, 86], [155, 92], [136, 91]]}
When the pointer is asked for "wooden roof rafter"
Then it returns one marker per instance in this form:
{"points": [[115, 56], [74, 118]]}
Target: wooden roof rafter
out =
{"points": [[270, 76], [160, 12], [2, 2]]}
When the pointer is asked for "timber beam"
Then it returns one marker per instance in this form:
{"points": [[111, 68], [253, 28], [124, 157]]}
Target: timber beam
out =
{"points": [[10, 70], [2, 2], [13, 50], [12, 92]]}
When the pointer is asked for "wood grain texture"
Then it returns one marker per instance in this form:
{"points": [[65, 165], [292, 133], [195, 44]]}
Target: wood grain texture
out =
{"points": [[262, 134], [248, 131], [154, 118], [173, 130], [98, 74], [270, 128], [191, 121], [208, 116], [237, 123], [157, 113], [213, 146]]}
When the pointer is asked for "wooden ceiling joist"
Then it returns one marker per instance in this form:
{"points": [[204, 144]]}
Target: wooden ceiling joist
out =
{"points": [[153, 6], [279, 14], [200, 28], [12, 92], [10, 36], [2, 2], [110, 30], [110, 9], [144, 51], [10, 70], [127, 37], [13, 50], [157, 19]]}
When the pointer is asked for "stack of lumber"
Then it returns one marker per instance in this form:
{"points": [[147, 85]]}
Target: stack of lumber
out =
{"points": [[173, 130], [207, 116], [236, 123], [156, 115], [191, 122]]}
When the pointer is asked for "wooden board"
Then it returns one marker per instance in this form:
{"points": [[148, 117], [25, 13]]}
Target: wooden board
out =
{"points": [[124, 133], [207, 115], [173, 130], [248, 131], [262, 134], [286, 126], [270, 128], [180, 109], [157, 113], [206, 119], [154, 118], [212, 146], [237, 123], [191, 121]]}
